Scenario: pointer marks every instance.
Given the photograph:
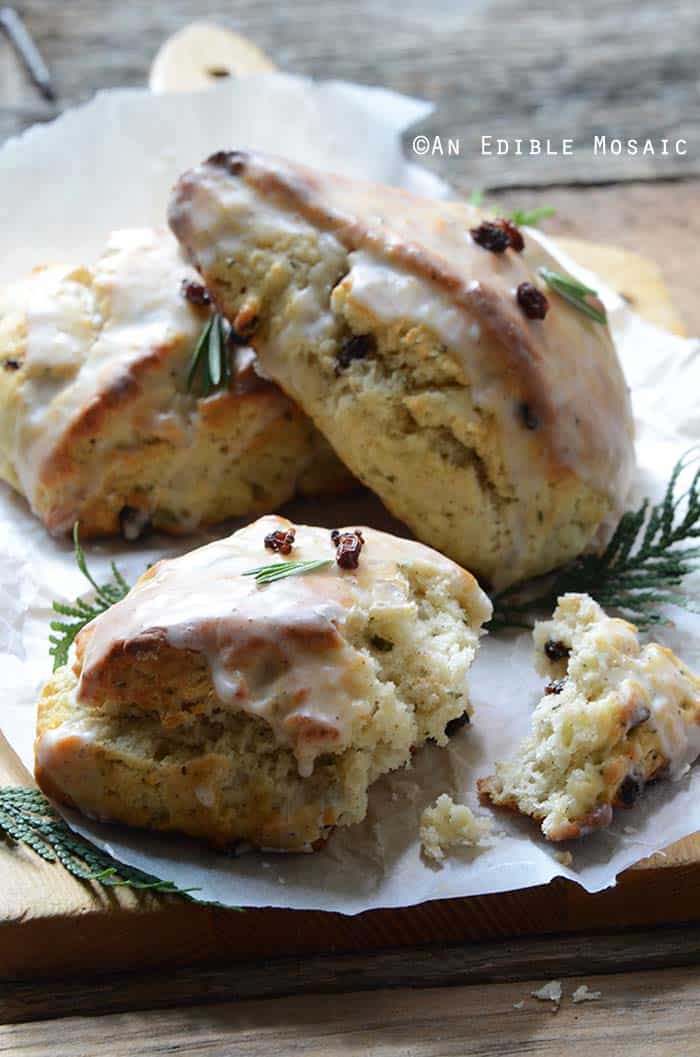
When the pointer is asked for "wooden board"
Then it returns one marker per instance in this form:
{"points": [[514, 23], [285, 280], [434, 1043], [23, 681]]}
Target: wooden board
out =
{"points": [[52, 924], [498, 67], [651, 1013]]}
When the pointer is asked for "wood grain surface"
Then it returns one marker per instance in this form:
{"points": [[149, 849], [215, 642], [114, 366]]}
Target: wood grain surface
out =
{"points": [[331, 975], [647, 1013], [500, 67]]}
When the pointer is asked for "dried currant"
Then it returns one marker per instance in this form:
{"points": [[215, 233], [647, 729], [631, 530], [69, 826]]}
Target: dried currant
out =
{"points": [[196, 293], [532, 301], [556, 650], [281, 541], [355, 348]]}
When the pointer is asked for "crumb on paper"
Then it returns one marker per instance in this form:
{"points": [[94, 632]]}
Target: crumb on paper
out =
{"points": [[445, 824], [583, 994], [564, 857], [520, 1004], [550, 992], [630, 829]]}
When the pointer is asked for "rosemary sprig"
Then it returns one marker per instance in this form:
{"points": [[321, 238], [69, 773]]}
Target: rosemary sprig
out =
{"points": [[530, 218], [211, 359], [268, 574], [26, 816], [640, 570], [83, 612], [520, 217], [574, 292]]}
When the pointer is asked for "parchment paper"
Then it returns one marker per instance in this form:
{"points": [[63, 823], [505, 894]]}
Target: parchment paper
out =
{"points": [[64, 188]]}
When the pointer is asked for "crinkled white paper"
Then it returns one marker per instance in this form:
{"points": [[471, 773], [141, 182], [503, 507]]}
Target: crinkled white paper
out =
{"points": [[110, 164]]}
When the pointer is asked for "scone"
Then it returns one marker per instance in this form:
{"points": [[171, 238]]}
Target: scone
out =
{"points": [[614, 716], [213, 705], [405, 329], [96, 420]]}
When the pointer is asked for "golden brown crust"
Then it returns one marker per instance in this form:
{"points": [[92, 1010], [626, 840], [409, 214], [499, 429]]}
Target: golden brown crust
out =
{"points": [[502, 441], [515, 340], [95, 413]]}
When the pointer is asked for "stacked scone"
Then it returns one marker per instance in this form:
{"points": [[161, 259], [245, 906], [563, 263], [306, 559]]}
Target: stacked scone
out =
{"points": [[104, 421], [219, 705], [488, 413]]}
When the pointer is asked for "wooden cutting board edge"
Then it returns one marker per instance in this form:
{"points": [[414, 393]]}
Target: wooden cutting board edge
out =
{"points": [[51, 923]]}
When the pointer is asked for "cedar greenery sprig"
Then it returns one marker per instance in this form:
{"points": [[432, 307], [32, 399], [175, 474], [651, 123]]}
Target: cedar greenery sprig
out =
{"points": [[82, 611], [640, 570], [211, 358], [268, 574], [575, 292], [26, 816]]}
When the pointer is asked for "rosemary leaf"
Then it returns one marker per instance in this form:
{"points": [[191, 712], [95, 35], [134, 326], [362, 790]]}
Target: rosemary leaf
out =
{"points": [[27, 817], [211, 357], [574, 292], [81, 610], [641, 570], [520, 217], [198, 354], [530, 218], [214, 353], [268, 574]]}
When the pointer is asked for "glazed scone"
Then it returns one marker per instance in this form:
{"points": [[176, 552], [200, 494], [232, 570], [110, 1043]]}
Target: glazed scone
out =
{"points": [[208, 704], [615, 715], [505, 442], [445, 825], [96, 421]]}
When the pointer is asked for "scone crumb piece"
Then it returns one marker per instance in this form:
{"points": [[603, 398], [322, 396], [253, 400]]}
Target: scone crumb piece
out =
{"points": [[520, 1004], [445, 824], [564, 857], [550, 992], [583, 994]]}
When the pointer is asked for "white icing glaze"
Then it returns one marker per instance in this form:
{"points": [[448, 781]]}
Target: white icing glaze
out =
{"points": [[667, 690], [415, 259], [85, 329], [276, 652], [648, 677], [52, 744]]}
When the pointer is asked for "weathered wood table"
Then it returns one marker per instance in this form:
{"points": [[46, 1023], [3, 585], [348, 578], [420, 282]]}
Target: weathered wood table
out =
{"points": [[499, 68]]}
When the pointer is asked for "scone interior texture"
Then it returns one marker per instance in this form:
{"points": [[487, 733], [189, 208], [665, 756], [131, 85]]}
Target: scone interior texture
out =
{"points": [[209, 704], [505, 442], [615, 715], [96, 420]]}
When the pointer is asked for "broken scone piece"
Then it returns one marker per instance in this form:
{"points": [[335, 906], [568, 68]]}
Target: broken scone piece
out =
{"points": [[214, 703], [614, 716], [446, 825]]}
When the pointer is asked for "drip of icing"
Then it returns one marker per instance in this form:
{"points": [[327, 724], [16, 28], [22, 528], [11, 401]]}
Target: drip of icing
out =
{"points": [[85, 329], [276, 652]]}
